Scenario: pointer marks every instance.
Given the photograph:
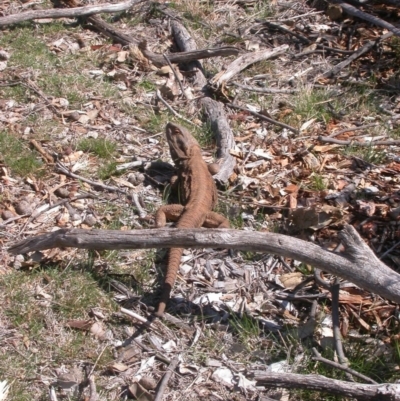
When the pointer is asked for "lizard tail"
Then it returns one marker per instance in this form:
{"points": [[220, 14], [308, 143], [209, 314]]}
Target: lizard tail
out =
{"points": [[174, 260]]}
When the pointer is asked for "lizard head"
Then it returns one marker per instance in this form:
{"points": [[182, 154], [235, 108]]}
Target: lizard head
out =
{"points": [[180, 141]]}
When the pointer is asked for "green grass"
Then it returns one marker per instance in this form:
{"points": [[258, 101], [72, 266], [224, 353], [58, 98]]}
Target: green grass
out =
{"points": [[369, 154], [318, 182], [101, 147], [19, 158], [37, 305], [57, 75]]}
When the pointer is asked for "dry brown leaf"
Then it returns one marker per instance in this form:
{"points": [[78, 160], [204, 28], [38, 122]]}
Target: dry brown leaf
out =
{"points": [[291, 280], [79, 324]]}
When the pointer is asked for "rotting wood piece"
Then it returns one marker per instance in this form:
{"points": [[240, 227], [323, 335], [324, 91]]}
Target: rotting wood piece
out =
{"points": [[213, 109], [67, 13], [358, 264], [360, 391]]}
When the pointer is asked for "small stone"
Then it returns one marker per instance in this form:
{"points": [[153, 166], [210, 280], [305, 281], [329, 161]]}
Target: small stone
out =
{"points": [[23, 207], [148, 382], [136, 178], [74, 116], [62, 192], [7, 214], [90, 220]]}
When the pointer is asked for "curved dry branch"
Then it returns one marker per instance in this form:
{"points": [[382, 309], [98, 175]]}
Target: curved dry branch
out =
{"points": [[67, 12], [355, 12], [358, 264], [386, 391]]}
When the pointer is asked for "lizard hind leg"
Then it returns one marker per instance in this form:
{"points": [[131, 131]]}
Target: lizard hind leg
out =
{"points": [[215, 220], [168, 213]]}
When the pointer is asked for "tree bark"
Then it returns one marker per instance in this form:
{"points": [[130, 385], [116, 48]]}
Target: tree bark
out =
{"points": [[67, 12], [358, 264], [213, 109], [381, 392]]}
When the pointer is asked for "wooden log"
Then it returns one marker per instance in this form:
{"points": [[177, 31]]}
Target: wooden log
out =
{"points": [[358, 264]]}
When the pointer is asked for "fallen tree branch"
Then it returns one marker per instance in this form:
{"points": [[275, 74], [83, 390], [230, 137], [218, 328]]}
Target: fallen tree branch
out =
{"points": [[225, 140], [358, 264], [164, 382], [361, 51], [67, 12], [243, 62], [263, 117], [157, 59], [353, 142], [385, 391], [213, 109], [355, 12]]}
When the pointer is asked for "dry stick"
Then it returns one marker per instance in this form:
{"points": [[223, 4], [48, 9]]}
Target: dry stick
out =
{"points": [[264, 90], [364, 392], [371, 143], [319, 358], [165, 379], [269, 119], [243, 62], [158, 59], [11, 219], [365, 49], [336, 133], [63, 170], [67, 12], [355, 12], [390, 250], [47, 157], [336, 327], [92, 389], [358, 264], [176, 114], [185, 43], [36, 214], [305, 39]]}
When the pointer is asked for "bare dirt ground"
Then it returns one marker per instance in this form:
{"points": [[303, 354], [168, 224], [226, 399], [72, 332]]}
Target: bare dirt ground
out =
{"points": [[71, 97]]}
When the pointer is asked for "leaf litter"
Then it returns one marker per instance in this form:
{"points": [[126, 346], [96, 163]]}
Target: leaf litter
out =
{"points": [[241, 308]]}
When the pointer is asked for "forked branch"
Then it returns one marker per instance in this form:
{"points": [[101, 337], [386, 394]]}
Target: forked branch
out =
{"points": [[358, 264]]}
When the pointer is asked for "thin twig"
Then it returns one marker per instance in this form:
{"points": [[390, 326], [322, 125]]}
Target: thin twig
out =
{"points": [[176, 75], [137, 317], [336, 327], [135, 200], [390, 250], [365, 49], [97, 361], [342, 131], [165, 379], [63, 170], [176, 114], [264, 90], [269, 119], [318, 357], [34, 215], [364, 144], [92, 389]]}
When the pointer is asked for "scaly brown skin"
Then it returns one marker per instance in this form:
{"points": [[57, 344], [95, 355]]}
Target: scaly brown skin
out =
{"points": [[199, 195]]}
